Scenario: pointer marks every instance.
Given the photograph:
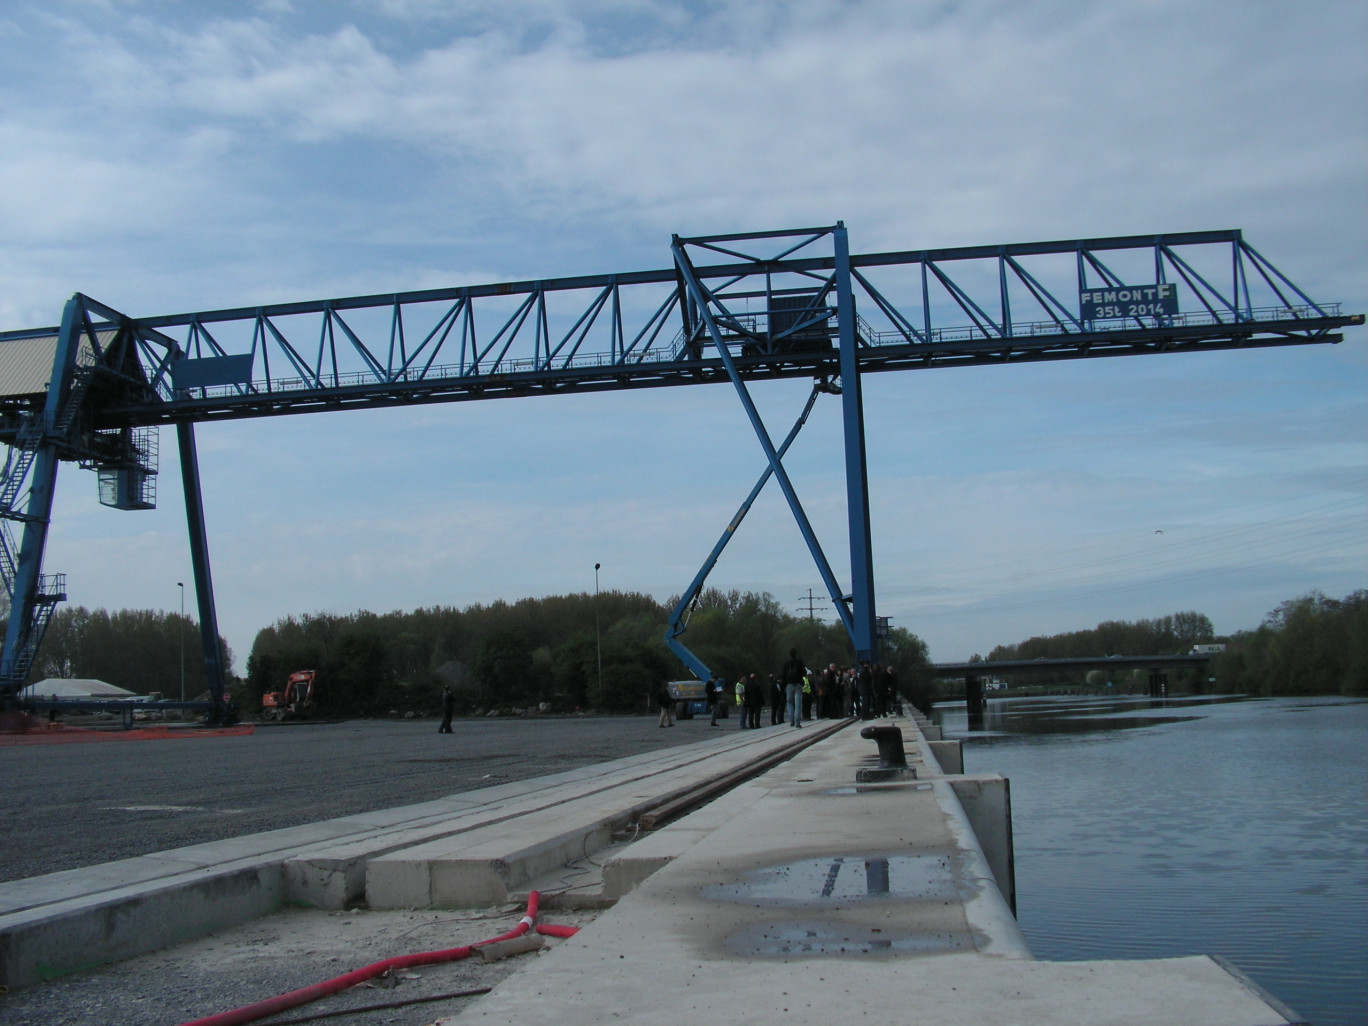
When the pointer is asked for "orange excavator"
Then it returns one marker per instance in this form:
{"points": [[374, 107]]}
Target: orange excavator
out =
{"points": [[294, 701]]}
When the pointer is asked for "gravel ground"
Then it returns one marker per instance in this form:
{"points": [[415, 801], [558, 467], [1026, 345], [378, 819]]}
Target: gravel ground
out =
{"points": [[280, 953], [73, 805]]}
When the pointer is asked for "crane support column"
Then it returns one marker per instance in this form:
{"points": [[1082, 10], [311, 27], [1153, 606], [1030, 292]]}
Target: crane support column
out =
{"points": [[31, 603], [864, 632], [199, 559]]}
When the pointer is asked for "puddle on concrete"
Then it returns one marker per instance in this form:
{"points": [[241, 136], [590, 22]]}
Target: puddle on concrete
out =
{"points": [[842, 879], [777, 940]]}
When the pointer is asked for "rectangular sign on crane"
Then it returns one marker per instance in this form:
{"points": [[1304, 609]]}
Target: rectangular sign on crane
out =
{"points": [[1128, 301]]}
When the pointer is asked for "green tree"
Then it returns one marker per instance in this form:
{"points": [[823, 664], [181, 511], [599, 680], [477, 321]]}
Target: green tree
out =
{"points": [[502, 669]]}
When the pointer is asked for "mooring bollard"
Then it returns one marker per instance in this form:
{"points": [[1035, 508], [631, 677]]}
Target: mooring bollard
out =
{"points": [[892, 758]]}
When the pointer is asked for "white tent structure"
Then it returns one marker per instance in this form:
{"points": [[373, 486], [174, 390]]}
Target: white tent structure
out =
{"points": [[58, 688]]}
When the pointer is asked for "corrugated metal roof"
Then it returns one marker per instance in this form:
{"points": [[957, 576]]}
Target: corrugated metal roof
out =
{"points": [[26, 363]]}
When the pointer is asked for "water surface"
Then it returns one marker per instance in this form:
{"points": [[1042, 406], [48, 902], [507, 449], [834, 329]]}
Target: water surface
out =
{"points": [[1157, 828]]}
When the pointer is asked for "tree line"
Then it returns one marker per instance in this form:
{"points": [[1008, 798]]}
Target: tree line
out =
{"points": [[607, 653], [1307, 645], [1310, 645], [603, 652], [1167, 635]]}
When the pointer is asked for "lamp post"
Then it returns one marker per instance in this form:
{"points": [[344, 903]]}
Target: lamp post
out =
{"points": [[180, 629], [598, 635]]}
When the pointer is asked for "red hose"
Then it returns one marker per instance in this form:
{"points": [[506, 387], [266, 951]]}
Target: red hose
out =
{"points": [[552, 930], [295, 998]]}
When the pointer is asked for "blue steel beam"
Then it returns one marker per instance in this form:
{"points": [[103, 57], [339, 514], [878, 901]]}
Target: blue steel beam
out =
{"points": [[924, 308], [678, 622], [863, 626], [712, 310], [199, 562]]}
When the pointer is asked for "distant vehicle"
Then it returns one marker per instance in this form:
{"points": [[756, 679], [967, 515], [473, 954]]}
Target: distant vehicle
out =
{"points": [[294, 701], [691, 697], [1207, 649]]}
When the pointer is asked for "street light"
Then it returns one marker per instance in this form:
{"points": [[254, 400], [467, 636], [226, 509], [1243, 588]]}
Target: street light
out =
{"points": [[598, 635], [180, 629]]}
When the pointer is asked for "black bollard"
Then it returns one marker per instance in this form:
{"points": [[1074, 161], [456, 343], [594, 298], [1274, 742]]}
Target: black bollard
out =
{"points": [[892, 758]]}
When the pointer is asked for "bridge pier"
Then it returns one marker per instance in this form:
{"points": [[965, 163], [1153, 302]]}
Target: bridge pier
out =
{"points": [[1158, 683], [975, 701]]}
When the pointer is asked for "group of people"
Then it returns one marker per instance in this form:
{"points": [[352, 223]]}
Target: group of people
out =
{"points": [[798, 694]]}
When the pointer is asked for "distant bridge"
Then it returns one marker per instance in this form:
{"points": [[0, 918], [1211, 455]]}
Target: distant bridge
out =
{"points": [[981, 668], [976, 699]]}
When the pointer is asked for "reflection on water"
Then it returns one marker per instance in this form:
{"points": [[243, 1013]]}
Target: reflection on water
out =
{"points": [[1069, 714], [815, 882], [1148, 828]]}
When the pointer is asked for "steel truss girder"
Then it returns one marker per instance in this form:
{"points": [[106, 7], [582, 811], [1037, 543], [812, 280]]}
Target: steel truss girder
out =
{"points": [[968, 306], [925, 308]]}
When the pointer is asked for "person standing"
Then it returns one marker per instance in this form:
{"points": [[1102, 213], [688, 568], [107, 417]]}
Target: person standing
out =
{"points": [[740, 692], [718, 691], [755, 701], [666, 704], [792, 676], [776, 701], [448, 707], [864, 685], [831, 693]]}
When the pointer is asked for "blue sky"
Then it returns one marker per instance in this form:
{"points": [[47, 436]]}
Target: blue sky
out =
{"points": [[165, 157]]}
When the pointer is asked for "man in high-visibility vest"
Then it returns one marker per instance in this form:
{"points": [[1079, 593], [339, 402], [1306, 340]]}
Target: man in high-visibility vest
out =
{"points": [[741, 703]]}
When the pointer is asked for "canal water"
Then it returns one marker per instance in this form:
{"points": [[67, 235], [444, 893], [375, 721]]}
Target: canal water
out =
{"points": [[1151, 828]]}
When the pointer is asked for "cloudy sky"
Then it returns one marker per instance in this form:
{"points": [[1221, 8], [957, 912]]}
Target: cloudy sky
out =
{"points": [[165, 157]]}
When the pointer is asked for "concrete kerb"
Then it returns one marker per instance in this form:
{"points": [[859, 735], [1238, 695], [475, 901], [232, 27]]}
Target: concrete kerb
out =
{"points": [[74, 920]]}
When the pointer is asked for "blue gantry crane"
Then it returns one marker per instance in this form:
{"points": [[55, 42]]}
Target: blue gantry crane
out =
{"points": [[735, 309]]}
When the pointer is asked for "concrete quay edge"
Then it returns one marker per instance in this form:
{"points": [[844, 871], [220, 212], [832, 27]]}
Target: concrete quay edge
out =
{"points": [[801, 898]]}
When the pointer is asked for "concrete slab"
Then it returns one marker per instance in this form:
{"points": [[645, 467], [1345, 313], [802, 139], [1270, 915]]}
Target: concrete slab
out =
{"points": [[589, 982], [490, 863], [628, 866]]}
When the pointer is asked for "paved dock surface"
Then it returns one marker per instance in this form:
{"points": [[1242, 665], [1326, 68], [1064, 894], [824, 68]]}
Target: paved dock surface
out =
{"points": [[82, 805], [798, 895]]}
